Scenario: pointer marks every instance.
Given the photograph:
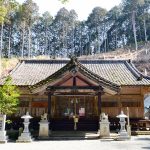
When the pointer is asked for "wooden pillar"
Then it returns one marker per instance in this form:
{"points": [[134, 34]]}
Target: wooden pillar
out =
{"points": [[49, 104], [119, 104], [99, 103], [30, 106]]}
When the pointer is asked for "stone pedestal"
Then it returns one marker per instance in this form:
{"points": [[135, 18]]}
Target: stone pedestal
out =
{"points": [[44, 129], [25, 138], [129, 130], [123, 135], [3, 137], [104, 126]]}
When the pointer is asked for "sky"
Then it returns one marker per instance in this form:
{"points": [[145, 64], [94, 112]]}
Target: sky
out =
{"points": [[82, 7]]}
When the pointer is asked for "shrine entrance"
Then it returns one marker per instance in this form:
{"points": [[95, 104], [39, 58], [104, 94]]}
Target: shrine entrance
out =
{"points": [[75, 113]]}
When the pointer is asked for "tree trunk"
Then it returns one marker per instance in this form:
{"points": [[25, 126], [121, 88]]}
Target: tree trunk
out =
{"points": [[145, 30], [98, 39], [134, 29], [80, 42], [1, 47], [9, 44], [22, 47], [116, 37], [46, 42], [46, 39], [29, 42], [1, 41]]}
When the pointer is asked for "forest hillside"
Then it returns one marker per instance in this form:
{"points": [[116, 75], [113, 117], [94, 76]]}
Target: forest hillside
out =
{"points": [[123, 32], [26, 33]]}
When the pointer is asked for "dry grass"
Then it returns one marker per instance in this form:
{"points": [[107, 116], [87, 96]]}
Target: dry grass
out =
{"points": [[8, 65]]}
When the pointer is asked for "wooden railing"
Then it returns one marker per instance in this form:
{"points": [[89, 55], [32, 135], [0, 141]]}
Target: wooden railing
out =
{"points": [[135, 112], [35, 112], [111, 111]]}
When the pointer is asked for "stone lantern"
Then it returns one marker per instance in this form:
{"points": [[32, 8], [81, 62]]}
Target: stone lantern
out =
{"points": [[123, 135], [25, 136]]}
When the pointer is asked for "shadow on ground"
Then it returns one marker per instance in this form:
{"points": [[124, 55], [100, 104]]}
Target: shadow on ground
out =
{"points": [[143, 139], [145, 147]]}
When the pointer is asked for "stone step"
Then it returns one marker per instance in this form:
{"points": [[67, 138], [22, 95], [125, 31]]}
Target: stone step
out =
{"points": [[72, 135], [77, 135]]}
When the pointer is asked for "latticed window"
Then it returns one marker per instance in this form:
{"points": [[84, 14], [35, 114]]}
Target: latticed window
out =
{"points": [[24, 102]]}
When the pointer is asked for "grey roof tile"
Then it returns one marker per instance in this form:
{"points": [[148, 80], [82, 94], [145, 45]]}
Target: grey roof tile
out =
{"points": [[30, 72]]}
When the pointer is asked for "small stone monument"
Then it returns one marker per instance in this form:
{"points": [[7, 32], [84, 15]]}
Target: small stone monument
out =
{"points": [[44, 127], [3, 137], [123, 135], [25, 135], [104, 126]]}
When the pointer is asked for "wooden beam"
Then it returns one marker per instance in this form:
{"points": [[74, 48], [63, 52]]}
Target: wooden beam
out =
{"points": [[73, 87]]}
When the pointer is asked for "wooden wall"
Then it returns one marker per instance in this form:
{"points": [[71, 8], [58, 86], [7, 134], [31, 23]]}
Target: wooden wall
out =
{"points": [[129, 96]]}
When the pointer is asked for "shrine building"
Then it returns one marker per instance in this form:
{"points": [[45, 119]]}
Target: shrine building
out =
{"points": [[82, 89]]}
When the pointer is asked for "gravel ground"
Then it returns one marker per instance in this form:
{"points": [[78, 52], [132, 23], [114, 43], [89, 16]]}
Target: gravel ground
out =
{"points": [[136, 143]]}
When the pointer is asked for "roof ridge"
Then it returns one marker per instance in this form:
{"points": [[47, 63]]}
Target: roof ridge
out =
{"points": [[147, 77], [102, 60], [80, 60], [43, 60], [132, 70]]}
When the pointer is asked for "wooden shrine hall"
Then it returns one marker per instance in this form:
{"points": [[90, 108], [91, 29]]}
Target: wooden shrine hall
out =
{"points": [[79, 90]]}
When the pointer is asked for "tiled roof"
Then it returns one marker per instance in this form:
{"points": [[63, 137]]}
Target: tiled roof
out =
{"points": [[120, 72], [117, 71]]}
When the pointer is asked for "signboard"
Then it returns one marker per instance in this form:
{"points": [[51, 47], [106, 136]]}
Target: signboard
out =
{"points": [[82, 111], [39, 104]]}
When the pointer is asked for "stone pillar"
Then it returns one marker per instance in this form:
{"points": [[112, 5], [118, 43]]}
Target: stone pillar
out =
{"points": [[44, 127], [30, 105], [3, 137], [104, 126], [25, 136]]}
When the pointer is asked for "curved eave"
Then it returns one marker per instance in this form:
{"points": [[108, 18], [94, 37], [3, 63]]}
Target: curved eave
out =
{"points": [[73, 63], [103, 82]]}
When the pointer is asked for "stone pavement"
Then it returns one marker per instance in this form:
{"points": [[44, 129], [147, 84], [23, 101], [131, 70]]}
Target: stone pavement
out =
{"points": [[136, 143]]}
